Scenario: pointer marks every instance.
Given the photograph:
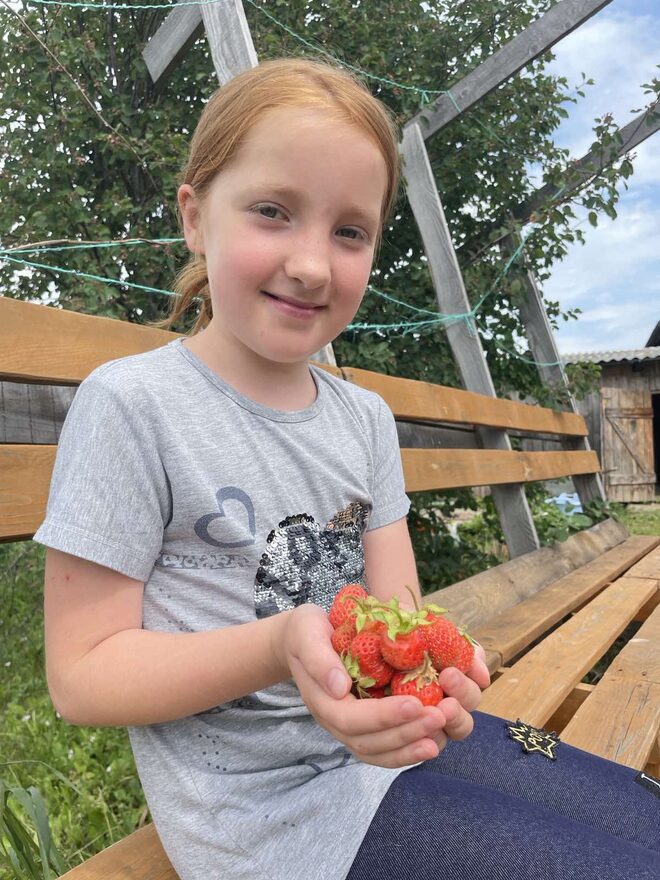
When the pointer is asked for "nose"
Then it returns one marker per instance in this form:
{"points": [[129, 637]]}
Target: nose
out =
{"points": [[308, 261]]}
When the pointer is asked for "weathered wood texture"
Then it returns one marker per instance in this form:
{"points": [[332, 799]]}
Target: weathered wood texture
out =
{"points": [[25, 472], [511, 502], [426, 469], [478, 598], [546, 354], [536, 39], [570, 651], [140, 856], [514, 629], [33, 413], [45, 345], [413, 400], [629, 695], [179, 30], [627, 442]]}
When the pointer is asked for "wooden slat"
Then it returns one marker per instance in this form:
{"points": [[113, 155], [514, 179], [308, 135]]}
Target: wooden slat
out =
{"points": [[648, 567], [475, 600], [412, 400], [451, 468], [178, 32], [538, 684], [510, 631], [140, 856], [628, 696], [25, 472], [49, 346], [536, 39], [558, 721]]}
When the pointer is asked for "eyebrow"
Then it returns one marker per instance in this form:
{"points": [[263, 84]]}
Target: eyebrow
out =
{"points": [[287, 191]]}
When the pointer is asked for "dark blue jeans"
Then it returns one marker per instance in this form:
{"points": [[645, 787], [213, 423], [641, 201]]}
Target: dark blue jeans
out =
{"points": [[486, 810]]}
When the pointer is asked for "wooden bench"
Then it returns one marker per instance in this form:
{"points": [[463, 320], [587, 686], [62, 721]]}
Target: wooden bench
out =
{"points": [[545, 617]]}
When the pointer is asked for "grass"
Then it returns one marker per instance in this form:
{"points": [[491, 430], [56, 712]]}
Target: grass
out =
{"points": [[86, 776], [642, 519]]}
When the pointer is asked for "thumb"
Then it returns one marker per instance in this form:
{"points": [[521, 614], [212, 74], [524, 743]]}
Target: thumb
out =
{"points": [[338, 682]]}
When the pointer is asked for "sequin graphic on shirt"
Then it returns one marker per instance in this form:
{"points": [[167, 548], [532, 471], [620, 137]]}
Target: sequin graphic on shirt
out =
{"points": [[306, 562]]}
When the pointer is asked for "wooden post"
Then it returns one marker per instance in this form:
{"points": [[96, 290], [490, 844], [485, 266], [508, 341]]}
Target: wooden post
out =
{"points": [[232, 51], [544, 350], [511, 502]]}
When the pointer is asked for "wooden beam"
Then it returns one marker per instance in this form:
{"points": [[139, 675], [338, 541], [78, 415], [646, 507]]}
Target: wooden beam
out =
{"points": [[536, 39], [426, 469], [139, 856], [229, 37], [25, 472], [512, 507], [593, 162], [550, 368], [172, 40], [411, 399], [631, 135], [45, 345]]}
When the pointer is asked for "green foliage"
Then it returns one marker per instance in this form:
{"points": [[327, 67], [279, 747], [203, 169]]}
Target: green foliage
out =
{"points": [[85, 776]]}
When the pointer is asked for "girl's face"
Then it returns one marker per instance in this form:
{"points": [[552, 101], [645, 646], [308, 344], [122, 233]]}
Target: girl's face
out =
{"points": [[288, 230]]}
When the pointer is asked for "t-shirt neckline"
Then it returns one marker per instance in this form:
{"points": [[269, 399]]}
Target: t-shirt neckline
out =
{"points": [[259, 409]]}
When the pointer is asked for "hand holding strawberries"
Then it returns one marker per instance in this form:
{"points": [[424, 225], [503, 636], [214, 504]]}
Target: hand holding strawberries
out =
{"points": [[395, 732]]}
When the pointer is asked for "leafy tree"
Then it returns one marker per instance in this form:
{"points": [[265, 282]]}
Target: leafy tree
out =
{"points": [[67, 173]]}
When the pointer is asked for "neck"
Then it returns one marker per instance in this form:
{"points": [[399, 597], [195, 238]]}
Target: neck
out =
{"points": [[284, 386]]}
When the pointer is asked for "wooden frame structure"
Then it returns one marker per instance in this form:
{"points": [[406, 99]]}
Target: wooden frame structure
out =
{"points": [[568, 603]]}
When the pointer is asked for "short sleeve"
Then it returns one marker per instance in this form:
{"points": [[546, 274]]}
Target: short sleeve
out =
{"points": [[390, 500], [109, 495]]}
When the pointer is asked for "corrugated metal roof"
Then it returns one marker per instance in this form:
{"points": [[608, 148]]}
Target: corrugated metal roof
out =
{"points": [[608, 357]]}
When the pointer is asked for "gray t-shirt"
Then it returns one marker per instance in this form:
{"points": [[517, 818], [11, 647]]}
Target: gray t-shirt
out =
{"points": [[229, 511]]}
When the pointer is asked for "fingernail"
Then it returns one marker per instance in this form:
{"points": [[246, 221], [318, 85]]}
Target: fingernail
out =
{"points": [[337, 683]]}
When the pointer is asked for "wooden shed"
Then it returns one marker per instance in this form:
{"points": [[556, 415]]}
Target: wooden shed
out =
{"points": [[624, 419]]}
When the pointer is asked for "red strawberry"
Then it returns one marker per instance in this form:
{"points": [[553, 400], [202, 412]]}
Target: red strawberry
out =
{"points": [[447, 645], [405, 650], [344, 605], [442, 639], [365, 654], [421, 683], [465, 654], [343, 636]]}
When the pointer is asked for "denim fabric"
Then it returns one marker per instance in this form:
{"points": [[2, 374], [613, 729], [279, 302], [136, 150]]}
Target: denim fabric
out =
{"points": [[486, 810]]}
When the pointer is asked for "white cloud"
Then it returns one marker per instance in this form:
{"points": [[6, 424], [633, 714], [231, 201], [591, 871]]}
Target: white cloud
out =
{"points": [[613, 278]]}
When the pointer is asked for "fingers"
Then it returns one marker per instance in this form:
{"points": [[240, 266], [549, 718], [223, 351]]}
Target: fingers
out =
{"points": [[427, 725], [466, 691], [479, 670], [310, 651]]}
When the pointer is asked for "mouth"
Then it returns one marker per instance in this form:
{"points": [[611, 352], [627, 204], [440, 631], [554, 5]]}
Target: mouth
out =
{"points": [[296, 304]]}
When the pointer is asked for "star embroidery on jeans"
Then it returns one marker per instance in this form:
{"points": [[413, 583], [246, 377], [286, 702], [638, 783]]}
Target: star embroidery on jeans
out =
{"points": [[533, 739]]}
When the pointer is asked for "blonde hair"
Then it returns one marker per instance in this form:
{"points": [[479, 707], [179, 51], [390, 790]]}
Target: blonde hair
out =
{"points": [[229, 115]]}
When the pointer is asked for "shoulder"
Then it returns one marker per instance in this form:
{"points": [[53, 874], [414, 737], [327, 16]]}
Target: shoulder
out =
{"points": [[368, 404], [135, 377]]}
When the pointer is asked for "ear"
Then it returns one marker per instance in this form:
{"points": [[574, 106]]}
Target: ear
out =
{"points": [[191, 216]]}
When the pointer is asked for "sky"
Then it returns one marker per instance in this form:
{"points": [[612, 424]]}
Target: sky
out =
{"points": [[615, 277]]}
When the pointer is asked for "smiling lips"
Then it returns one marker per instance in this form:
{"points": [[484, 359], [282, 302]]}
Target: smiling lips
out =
{"points": [[293, 305]]}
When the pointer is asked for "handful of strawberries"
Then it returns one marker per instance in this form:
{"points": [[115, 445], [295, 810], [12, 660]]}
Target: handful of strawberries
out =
{"points": [[388, 650]]}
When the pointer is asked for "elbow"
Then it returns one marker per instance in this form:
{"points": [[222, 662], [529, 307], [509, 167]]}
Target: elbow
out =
{"points": [[65, 703]]}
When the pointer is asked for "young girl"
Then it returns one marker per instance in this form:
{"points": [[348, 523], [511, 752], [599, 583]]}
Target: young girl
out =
{"points": [[209, 499]]}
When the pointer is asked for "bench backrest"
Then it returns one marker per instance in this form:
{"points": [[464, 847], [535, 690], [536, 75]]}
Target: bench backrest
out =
{"points": [[41, 345]]}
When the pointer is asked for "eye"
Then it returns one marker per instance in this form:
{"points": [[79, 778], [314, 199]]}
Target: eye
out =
{"points": [[266, 210], [353, 234]]}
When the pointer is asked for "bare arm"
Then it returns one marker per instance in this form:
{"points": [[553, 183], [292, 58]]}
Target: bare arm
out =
{"points": [[389, 563], [104, 669]]}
